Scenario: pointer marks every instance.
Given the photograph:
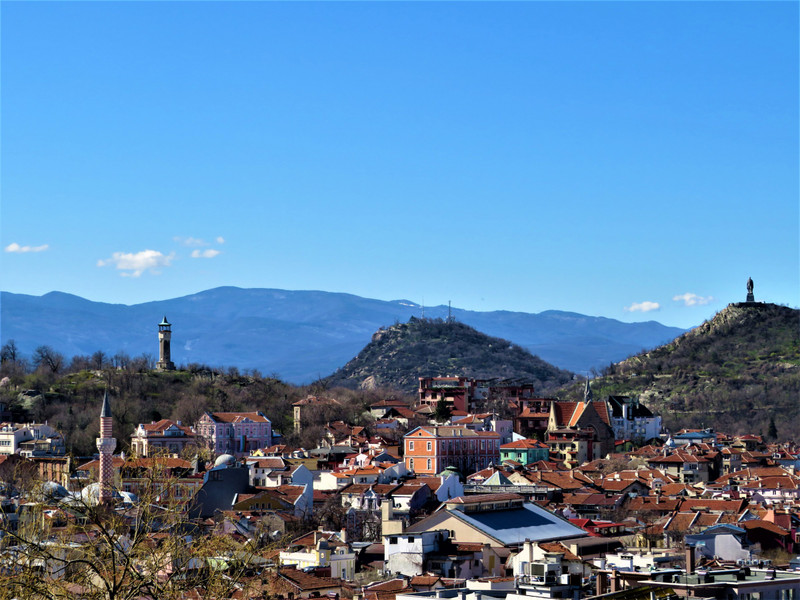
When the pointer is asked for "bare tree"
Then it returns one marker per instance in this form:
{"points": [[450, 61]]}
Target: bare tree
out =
{"points": [[120, 551], [9, 352], [99, 360], [46, 357]]}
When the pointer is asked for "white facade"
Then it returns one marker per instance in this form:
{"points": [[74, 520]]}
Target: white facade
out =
{"points": [[339, 558], [12, 435], [628, 426], [405, 552], [266, 477]]}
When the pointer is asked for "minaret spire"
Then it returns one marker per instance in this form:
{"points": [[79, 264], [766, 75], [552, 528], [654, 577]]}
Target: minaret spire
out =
{"points": [[106, 410]]}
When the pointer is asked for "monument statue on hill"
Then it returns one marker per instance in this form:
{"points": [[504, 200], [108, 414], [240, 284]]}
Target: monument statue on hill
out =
{"points": [[750, 297]]}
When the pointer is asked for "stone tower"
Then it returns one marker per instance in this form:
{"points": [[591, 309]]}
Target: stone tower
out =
{"points": [[106, 445], [164, 335]]}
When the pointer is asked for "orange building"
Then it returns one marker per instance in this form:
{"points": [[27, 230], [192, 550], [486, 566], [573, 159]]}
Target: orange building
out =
{"points": [[430, 450]]}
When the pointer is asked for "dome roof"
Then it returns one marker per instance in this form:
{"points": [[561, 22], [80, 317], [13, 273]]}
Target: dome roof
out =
{"points": [[54, 491], [224, 460], [129, 497], [90, 495]]}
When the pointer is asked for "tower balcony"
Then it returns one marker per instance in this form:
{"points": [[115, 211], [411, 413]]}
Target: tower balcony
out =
{"points": [[106, 445]]}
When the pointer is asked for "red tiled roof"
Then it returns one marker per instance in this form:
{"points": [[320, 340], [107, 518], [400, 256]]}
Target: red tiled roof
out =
{"points": [[653, 503], [409, 488], [308, 581], [382, 403], [424, 580], [766, 525], [267, 463], [238, 417], [523, 444], [163, 425], [393, 585], [558, 548]]}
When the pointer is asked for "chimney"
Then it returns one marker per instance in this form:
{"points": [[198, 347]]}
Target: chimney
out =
{"points": [[527, 550], [690, 564]]}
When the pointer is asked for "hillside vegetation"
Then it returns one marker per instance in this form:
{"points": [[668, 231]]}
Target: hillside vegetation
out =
{"points": [[735, 372], [70, 400], [397, 356]]}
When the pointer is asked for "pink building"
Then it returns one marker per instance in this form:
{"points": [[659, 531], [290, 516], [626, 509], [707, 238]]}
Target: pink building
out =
{"points": [[236, 433]]}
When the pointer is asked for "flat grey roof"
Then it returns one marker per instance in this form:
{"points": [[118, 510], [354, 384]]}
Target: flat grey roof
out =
{"points": [[513, 526]]}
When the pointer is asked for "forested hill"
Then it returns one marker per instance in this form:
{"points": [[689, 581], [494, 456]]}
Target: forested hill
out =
{"points": [[735, 372], [397, 356]]}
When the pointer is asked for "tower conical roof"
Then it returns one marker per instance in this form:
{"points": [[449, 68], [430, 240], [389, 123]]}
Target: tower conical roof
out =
{"points": [[164, 321], [106, 411], [587, 393]]}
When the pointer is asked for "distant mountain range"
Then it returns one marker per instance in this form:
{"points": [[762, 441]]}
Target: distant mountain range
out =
{"points": [[298, 335], [399, 355]]}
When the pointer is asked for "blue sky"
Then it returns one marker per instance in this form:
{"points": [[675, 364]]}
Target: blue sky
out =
{"points": [[633, 160]]}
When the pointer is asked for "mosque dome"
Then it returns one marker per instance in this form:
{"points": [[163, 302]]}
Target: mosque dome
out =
{"points": [[224, 460], [129, 497], [54, 491], [90, 495]]}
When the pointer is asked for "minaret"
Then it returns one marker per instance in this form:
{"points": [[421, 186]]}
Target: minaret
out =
{"points": [[164, 335], [105, 445]]}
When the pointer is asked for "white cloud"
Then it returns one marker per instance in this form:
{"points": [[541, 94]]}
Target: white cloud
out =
{"points": [[197, 242], [210, 253], [14, 247], [690, 299], [645, 306], [190, 241], [138, 263]]}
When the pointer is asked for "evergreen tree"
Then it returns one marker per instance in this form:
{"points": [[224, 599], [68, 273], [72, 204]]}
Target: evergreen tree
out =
{"points": [[442, 413], [772, 432]]}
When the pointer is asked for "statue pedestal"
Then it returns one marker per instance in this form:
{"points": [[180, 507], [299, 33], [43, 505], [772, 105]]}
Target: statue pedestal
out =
{"points": [[750, 297]]}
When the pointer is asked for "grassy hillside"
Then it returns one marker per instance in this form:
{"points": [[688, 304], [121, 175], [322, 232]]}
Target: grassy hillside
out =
{"points": [[397, 356], [735, 372]]}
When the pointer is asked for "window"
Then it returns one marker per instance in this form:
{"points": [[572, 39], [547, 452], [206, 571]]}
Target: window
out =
{"points": [[411, 463], [429, 464], [392, 540], [411, 445], [411, 539], [429, 445]]}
